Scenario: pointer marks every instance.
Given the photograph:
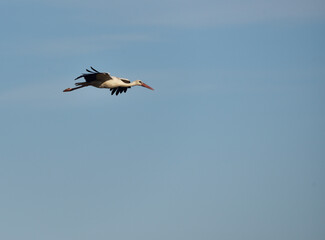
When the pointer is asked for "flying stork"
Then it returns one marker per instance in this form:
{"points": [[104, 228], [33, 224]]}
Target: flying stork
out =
{"points": [[105, 80]]}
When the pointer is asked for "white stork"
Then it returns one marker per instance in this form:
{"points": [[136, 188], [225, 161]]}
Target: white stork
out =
{"points": [[105, 80]]}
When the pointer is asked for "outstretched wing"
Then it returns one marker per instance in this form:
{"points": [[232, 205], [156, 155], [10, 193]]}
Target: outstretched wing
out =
{"points": [[94, 75], [118, 90]]}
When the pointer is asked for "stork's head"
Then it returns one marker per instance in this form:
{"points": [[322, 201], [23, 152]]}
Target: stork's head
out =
{"points": [[140, 83]]}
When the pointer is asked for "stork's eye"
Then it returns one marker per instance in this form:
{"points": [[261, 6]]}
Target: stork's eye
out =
{"points": [[140, 82]]}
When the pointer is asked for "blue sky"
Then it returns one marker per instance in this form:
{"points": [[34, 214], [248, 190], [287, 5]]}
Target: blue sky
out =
{"points": [[230, 145]]}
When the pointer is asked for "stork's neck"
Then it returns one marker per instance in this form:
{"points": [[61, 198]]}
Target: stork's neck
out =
{"points": [[134, 83], [131, 84]]}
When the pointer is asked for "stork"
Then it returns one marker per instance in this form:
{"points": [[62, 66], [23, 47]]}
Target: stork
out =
{"points": [[105, 80]]}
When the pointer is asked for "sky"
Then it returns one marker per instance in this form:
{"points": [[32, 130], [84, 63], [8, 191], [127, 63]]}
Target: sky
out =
{"points": [[229, 145]]}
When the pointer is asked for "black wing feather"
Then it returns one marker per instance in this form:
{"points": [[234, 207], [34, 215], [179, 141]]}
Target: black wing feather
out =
{"points": [[89, 77], [118, 90], [113, 90], [94, 75], [94, 69]]}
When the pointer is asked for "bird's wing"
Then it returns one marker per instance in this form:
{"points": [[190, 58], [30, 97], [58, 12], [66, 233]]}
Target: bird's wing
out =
{"points": [[118, 90], [125, 80], [94, 75]]}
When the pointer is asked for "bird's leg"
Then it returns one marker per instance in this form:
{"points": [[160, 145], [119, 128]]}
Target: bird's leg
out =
{"points": [[71, 89]]}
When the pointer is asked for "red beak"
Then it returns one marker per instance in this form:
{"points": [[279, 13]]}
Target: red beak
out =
{"points": [[146, 86]]}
